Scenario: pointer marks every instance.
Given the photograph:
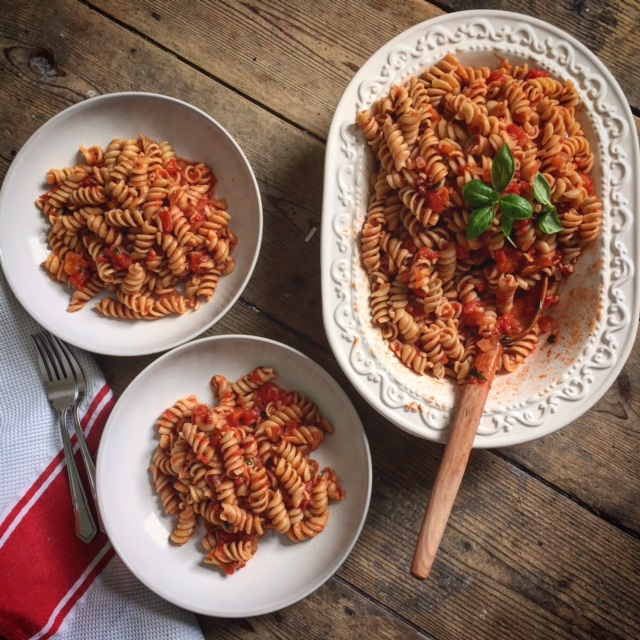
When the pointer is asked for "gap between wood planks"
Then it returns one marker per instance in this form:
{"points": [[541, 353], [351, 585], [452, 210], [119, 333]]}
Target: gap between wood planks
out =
{"points": [[204, 72], [499, 454], [384, 607]]}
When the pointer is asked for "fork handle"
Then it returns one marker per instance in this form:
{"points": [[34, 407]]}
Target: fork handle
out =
{"points": [[86, 528], [89, 464]]}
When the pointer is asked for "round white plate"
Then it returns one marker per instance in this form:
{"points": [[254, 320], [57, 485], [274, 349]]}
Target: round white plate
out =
{"points": [[23, 228], [281, 572], [597, 316]]}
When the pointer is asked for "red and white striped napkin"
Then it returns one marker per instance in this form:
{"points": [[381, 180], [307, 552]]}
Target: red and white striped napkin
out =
{"points": [[52, 585]]}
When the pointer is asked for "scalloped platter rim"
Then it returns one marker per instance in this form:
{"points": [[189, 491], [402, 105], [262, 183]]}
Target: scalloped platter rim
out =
{"points": [[557, 384]]}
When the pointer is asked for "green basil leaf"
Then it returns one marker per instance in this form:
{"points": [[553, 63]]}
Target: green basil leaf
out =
{"points": [[549, 221], [479, 222], [479, 194], [503, 169], [506, 225], [516, 207], [542, 189]]}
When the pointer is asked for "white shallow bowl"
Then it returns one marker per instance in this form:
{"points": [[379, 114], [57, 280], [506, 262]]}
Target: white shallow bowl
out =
{"points": [[597, 317], [281, 572], [23, 228]]}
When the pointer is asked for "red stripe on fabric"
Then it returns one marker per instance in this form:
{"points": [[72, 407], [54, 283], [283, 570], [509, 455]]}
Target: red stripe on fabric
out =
{"points": [[30, 493], [42, 558], [64, 612], [84, 421]]}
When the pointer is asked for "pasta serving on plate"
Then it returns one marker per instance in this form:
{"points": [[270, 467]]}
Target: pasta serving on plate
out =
{"points": [[243, 467], [481, 190], [141, 223]]}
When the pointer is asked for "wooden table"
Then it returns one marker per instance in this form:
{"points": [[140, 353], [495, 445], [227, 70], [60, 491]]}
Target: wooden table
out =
{"points": [[544, 541]]}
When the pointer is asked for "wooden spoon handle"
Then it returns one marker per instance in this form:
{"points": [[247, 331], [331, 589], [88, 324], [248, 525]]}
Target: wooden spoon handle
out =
{"points": [[454, 462]]}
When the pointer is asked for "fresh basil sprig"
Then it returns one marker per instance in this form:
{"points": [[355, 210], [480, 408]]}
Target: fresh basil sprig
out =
{"points": [[486, 199], [548, 220]]}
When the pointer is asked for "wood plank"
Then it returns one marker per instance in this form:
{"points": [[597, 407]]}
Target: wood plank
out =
{"points": [[517, 561], [45, 70], [334, 611], [296, 58], [317, 48]]}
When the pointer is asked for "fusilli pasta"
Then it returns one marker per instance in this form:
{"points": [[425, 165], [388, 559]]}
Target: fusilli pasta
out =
{"points": [[141, 223], [243, 467], [435, 288]]}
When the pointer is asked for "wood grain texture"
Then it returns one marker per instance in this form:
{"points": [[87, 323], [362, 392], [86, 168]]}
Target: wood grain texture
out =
{"points": [[335, 611], [318, 50], [522, 557], [297, 57], [536, 566]]}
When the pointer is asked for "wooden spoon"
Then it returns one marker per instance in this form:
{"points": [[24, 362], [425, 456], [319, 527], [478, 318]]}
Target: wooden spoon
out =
{"points": [[458, 448]]}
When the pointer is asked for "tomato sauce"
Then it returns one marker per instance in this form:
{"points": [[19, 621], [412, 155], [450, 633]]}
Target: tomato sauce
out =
{"points": [[119, 257], [268, 393], [78, 269]]}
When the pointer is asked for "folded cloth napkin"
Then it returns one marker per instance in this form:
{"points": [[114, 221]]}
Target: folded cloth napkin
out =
{"points": [[51, 583]]}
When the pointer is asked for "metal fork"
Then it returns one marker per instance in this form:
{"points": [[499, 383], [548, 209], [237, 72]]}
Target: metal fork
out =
{"points": [[62, 392], [63, 355]]}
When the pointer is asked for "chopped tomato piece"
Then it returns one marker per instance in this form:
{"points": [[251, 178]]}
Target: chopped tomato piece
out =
{"points": [[566, 269], [587, 183], [410, 245], [537, 73], [549, 300], [473, 313], [292, 426], [173, 168], [517, 133], [243, 417], [155, 253], [427, 254], [166, 220], [559, 159], [78, 269], [196, 219], [438, 199], [73, 263], [514, 187], [507, 259], [267, 393], [495, 76], [119, 257], [196, 260], [509, 325], [545, 324]]}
